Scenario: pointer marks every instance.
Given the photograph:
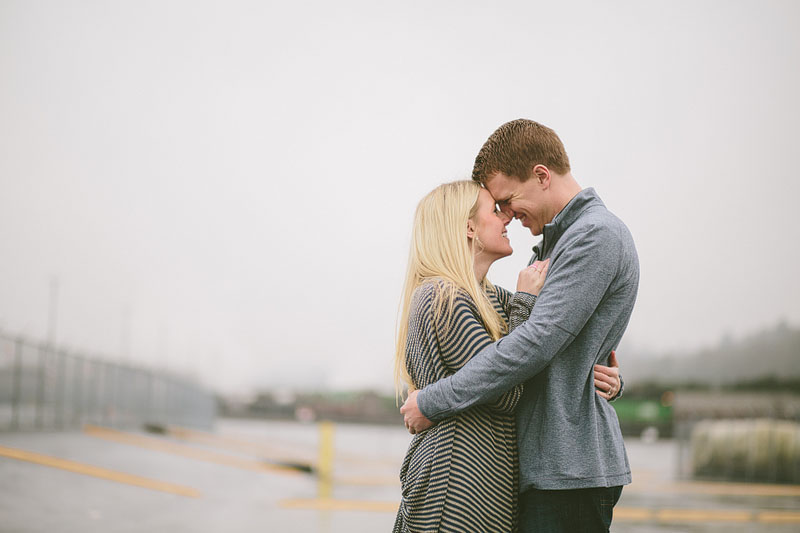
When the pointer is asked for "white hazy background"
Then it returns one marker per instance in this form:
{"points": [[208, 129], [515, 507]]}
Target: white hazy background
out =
{"points": [[226, 189]]}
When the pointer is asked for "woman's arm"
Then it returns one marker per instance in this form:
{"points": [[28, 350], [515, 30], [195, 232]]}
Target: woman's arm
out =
{"points": [[520, 309], [607, 380]]}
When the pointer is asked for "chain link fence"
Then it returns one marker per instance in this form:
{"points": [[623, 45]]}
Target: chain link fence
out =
{"points": [[42, 388]]}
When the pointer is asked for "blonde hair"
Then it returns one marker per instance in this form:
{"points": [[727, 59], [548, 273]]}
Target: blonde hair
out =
{"points": [[440, 251]]}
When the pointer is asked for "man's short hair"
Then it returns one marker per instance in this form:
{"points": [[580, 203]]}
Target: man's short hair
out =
{"points": [[518, 146]]}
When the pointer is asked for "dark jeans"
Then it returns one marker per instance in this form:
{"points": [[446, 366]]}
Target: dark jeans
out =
{"points": [[567, 511]]}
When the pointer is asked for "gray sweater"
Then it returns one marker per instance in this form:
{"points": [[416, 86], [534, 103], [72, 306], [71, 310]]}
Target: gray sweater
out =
{"points": [[569, 437]]}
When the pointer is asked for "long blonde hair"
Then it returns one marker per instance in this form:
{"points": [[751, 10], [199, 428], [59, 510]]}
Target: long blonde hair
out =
{"points": [[440, 250]]}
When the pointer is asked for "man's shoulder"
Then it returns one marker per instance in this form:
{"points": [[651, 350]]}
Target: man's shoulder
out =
{"points": [[600, 236], [599, 223]]}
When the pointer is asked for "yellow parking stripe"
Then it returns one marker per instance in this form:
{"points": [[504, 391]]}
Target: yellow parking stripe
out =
{"points": [[710, 488], [368, 481], [733, 489], [779, 517], [237, 445], [632, 514], [329, 504], [98, 472], [716, 488], [621, 514], [185, 451], [292, 452], [703, 515]]}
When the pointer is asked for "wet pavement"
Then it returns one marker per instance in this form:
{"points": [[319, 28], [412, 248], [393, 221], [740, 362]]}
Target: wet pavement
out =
{"points": [[252, 476]]}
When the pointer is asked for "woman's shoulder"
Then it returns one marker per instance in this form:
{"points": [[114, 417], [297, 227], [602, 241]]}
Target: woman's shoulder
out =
{"points": [[427, 290], [433, 288], [424, 296], [438, 296]]}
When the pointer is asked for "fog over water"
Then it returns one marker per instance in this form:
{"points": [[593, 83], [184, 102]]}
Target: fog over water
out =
{"points": [[226, 188]]}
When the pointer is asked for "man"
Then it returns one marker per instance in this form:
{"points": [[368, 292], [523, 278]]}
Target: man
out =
{"points": [[572, 458]]}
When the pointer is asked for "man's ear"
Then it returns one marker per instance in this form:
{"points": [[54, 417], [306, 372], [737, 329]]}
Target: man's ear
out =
{"points": [[470, 229], [542, 175]]}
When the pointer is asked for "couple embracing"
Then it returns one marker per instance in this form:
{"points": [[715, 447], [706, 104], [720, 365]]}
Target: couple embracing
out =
{"points": [[509, 392]]}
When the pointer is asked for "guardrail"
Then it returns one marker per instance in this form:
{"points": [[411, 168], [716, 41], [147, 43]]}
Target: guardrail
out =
{"points": [[46, 388]]}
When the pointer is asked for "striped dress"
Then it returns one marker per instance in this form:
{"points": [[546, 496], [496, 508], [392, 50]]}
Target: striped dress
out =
{"points": [[462, 474]]}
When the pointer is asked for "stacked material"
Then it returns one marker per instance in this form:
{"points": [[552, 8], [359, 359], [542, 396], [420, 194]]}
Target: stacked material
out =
{"points": [[762, 450]]}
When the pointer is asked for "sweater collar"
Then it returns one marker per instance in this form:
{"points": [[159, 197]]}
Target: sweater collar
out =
{"points": [[565, 218]]}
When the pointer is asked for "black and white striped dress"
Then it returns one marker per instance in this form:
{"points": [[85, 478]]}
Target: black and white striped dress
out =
{"points": [[461, 474]]}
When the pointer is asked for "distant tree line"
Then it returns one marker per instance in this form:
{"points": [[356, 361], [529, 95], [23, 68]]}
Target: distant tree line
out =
{"points": [[765, 361]]}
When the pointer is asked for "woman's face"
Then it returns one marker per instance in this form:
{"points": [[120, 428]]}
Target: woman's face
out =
{"points": [[490, 228]]}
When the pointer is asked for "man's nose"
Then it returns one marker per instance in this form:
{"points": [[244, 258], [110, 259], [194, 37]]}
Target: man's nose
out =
{"points": [[507, 215]]}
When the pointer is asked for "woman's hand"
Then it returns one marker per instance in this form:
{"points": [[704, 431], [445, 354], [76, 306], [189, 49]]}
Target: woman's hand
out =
{"points": [[531, 279], [606, 378]]}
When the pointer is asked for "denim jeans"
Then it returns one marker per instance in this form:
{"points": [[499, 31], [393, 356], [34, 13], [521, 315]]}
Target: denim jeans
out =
{"points": [[568, 511]]}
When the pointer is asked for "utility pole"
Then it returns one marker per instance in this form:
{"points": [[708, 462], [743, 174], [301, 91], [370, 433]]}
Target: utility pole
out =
{"points": [[52, 319], [125, 335], [162, 346]]}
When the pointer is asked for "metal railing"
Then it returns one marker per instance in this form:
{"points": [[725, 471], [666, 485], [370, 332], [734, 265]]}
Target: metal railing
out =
{"points": [[46, 388]]}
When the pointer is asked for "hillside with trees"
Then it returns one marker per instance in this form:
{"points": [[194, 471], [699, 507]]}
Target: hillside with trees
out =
{"points": [[770, 357]]}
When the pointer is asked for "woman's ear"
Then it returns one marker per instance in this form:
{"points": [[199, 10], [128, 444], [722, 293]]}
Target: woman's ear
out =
{"points": [[470, 229]]}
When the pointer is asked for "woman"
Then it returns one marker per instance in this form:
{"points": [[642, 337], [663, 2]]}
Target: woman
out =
{"points": [[461, 474]]}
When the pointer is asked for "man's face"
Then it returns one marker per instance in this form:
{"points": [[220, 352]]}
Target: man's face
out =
{"points": [[525, 201]]}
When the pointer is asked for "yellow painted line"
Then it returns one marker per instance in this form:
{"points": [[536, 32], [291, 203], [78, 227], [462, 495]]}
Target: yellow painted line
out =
{"points": [[703, 515], [290, 451], [369, 481], [779, 517], [633, 514], [174, 448], [236, 444], [210, 439], [720, 489], [643, 475], [98, 472], [328, 504], [621, 514], [735, 489], [716, 488]]}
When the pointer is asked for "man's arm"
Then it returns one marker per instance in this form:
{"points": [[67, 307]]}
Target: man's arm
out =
{"points": [[579, 278]]}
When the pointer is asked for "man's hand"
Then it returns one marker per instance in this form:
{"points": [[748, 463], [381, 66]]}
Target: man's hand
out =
{"points": [[415, 420]]}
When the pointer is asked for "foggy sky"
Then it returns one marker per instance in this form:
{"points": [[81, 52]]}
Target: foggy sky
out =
{"points": [[226, 188]]}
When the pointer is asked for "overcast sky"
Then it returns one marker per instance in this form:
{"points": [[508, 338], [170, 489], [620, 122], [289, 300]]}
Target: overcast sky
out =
{"points": [[227, 188]]}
